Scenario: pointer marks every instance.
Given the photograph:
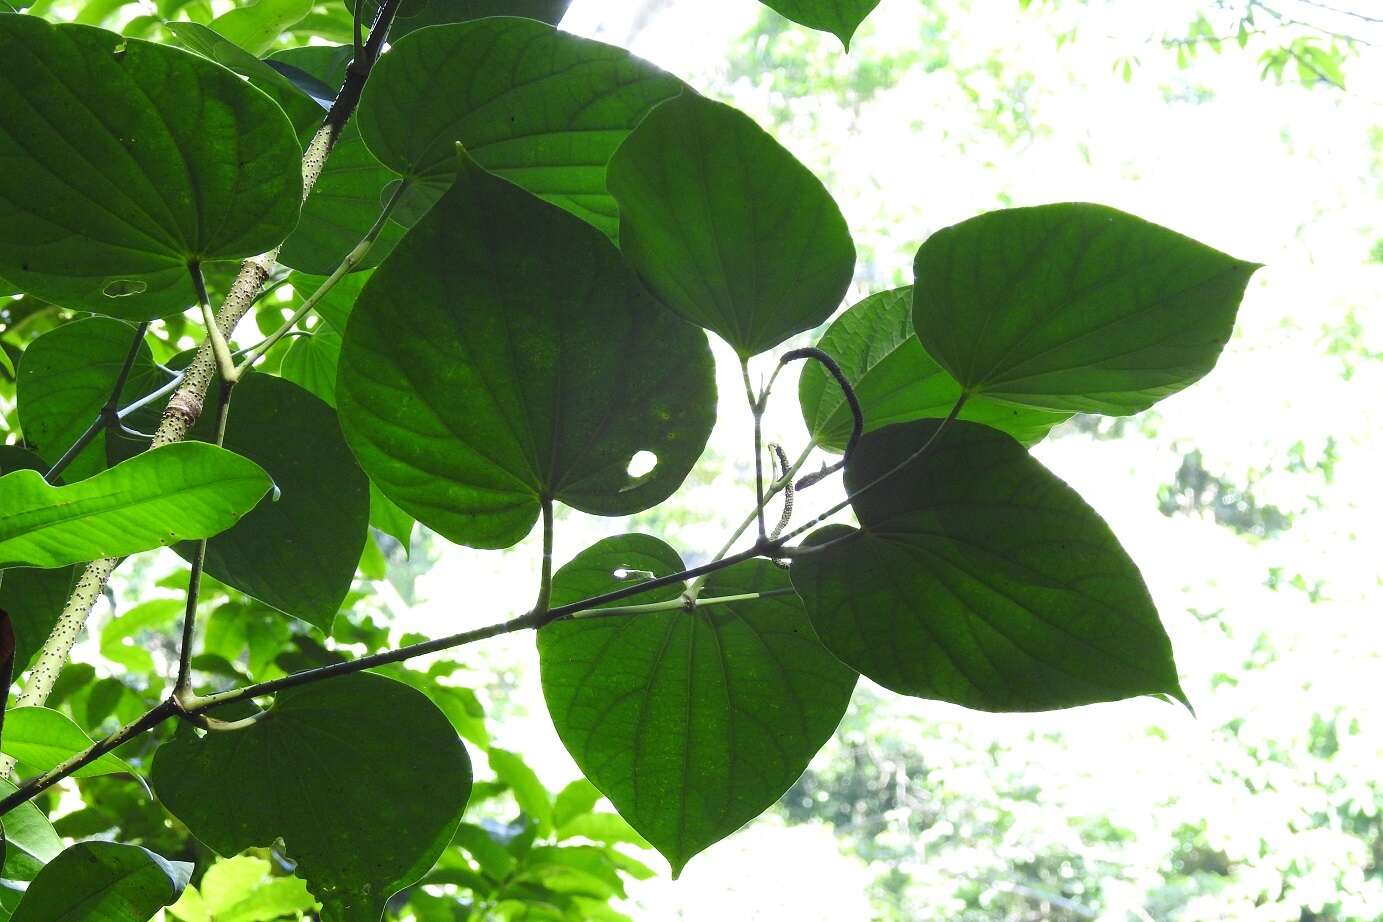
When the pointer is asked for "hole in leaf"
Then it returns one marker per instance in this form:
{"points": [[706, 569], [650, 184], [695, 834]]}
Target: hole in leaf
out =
{"points": [[642, 464], [123, 288]]}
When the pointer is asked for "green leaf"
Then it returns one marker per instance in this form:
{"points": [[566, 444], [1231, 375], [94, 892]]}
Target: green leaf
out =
{"points": [[30, 840], [977, 577], [103, 882], [241, 889], [1074, 307], [178, 492], [494, 859], [296, 551], [726, 227], [363, 778], [542, 108], [895, 380], [125, 162], [254, 25], [839, 17], [573, 800], [65, 378], [390, 519], [416, 14], [35, 599], [118, 636], [310, 363], [41, 739], [692, 723], [528, 790], [504, 354], [336, 305], [213, 46], [349, 194]]}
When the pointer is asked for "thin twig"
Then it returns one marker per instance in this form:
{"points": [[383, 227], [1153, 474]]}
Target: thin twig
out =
{"points": [[851, 400], [108, 415], [183, 684], [756, 407]]}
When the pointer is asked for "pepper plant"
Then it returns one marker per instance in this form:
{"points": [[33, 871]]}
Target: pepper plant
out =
{"points": [[509, 245]]}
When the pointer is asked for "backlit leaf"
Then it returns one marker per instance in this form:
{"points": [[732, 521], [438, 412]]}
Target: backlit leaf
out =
{"points": [[1074, 307], [977, 577], [542, 108], [692, 723], [839, 17], [877, 348], [504, 354], [726, 227]]}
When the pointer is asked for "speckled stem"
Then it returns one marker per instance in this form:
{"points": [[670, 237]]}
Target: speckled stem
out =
{"points": [[181, 412]]}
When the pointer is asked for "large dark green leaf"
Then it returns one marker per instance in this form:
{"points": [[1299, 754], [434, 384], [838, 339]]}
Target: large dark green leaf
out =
{"points": [[726, 227], [41, 738], [178, 492], [103, 882], [977, 577], [125, 161], [34, 598], [363, 778], [349, 194], [692, 723], [839, 17], [542, 108], [296, 551], [415, 14], [895, 380], [65, 378], [1074, 307], [30, 840], [503, 355]]}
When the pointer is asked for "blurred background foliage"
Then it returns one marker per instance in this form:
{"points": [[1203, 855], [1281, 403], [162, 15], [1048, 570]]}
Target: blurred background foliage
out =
{"points": [[1251, 501]]}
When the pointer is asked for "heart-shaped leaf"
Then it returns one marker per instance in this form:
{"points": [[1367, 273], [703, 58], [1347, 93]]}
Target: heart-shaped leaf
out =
{"points": [[726, 227], [542, 108], [183, 491], [839, 17], [103, 882], [66, 377], [125, 162], [877, 349], [296, 551], [977, 577], [691, 722], [504, 355], [363, 778], [1074, 307]]}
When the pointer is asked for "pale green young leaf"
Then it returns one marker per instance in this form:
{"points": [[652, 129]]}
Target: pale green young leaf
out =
{"points": [[179, 492]]}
